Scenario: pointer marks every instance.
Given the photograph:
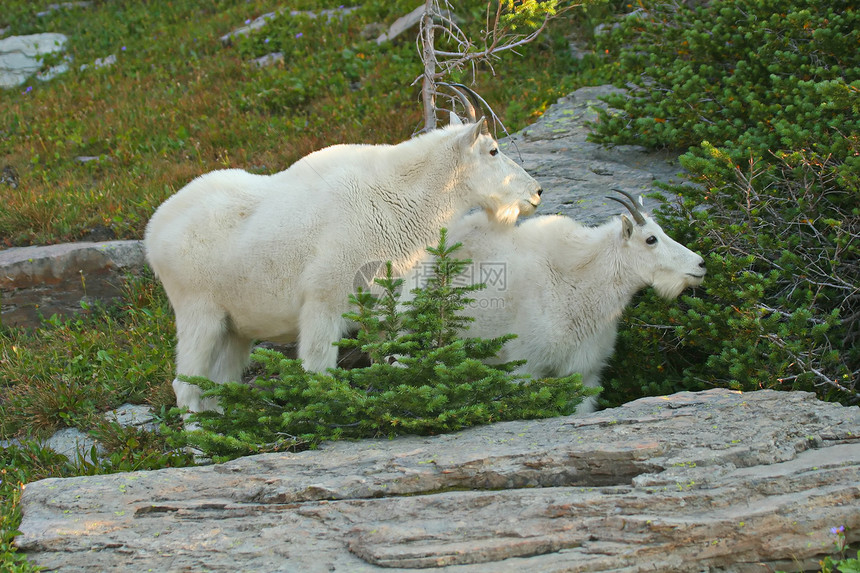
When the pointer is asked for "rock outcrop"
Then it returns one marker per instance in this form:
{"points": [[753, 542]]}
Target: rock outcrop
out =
{"points": [[41, 281], [711, 481]]}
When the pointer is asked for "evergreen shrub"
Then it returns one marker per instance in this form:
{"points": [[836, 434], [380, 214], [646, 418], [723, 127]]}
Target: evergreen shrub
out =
{"points": [[764, 96], [423, 378]]}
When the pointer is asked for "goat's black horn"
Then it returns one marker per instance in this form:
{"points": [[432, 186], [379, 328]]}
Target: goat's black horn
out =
{"points": [[465, 100], [477, 101], [632, 207]]}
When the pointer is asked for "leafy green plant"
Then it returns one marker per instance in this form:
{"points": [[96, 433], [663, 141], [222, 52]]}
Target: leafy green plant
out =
{"points": [[423, 379], [132, 449], [842, 563], [765, 95]]}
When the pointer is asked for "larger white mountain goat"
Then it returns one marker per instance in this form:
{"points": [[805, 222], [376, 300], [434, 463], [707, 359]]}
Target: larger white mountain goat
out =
{"points": [[561, 287], [275, 257]]}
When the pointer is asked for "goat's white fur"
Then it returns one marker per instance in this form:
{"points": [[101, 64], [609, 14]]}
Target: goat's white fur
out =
{"points": [[245, 257], [561, 287]]}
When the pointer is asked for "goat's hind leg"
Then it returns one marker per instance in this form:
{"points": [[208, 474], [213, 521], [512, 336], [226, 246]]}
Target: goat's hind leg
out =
{"points": [[208, 347], [231, 357]]}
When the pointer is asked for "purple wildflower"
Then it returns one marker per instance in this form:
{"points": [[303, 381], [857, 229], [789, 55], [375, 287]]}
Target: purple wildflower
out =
{"points": [[299, 35], [837, 530], [28, 90], [248, 21]]}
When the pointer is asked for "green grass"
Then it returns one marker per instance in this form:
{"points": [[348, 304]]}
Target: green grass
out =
{"points": [[176, 104]]}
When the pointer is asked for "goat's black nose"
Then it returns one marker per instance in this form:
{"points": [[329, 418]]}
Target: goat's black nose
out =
{"points": [[539, 192], [702, 264]]}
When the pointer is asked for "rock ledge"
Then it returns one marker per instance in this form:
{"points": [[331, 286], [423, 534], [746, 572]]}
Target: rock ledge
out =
{"points": [[711, 481]]}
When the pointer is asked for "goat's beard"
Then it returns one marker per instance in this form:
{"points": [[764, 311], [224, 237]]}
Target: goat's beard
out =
{"points": [[670, 285], [507, 214]]}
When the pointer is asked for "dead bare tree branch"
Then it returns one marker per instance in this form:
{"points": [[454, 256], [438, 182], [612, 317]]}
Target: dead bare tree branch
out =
{"points": [[438, 26]]}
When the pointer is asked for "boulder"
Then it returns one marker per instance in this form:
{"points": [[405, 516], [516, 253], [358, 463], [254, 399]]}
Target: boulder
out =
{"points": [[42, 281], [710, 481], [21, 57], [74, 444], [402, 24]]}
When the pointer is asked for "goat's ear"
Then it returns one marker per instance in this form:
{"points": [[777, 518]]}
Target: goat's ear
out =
{"points": [[475, 130], [454, 119], [626, 228]]}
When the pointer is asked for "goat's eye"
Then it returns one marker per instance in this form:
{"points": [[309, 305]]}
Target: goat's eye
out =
{"points": [[494, 152], [651, 240]]}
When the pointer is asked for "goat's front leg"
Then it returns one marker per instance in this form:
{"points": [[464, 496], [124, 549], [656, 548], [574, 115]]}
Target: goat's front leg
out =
{"points": [[589, 404], [191, 396], [320, 326]]}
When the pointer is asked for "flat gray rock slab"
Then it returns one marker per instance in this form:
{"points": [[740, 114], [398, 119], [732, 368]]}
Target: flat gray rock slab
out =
{"points": [[711, 481]]}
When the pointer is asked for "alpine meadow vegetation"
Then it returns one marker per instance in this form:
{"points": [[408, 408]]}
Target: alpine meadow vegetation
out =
{"points": [[761, 96], [177, 102]]}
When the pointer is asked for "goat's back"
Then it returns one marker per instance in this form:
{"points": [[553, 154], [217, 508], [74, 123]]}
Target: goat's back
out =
{"points": [[535, 291]]}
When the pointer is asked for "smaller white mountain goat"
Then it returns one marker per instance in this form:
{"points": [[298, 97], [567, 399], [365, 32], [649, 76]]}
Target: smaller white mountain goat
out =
{"points": [[275, 257], [561, 287]]}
